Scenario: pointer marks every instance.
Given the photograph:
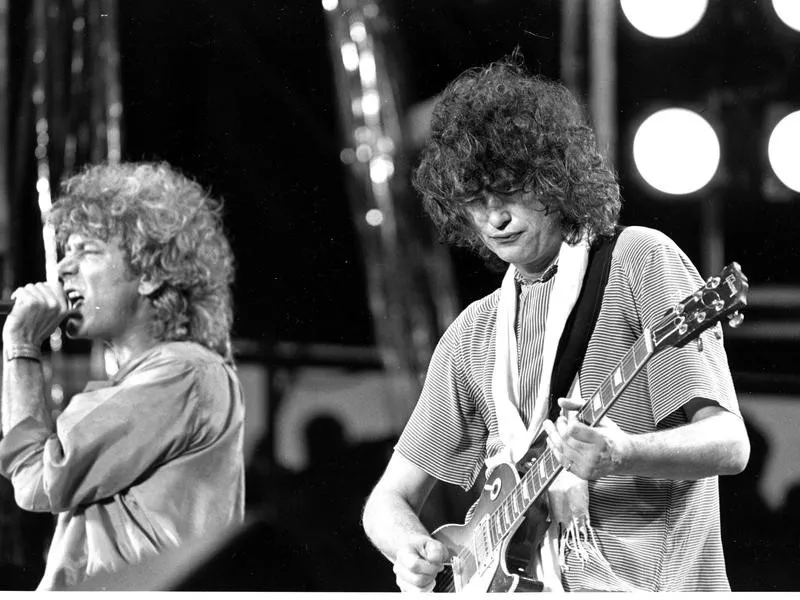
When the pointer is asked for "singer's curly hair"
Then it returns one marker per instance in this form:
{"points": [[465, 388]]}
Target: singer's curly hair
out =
{"points": [[499, 128], [170, 230]]}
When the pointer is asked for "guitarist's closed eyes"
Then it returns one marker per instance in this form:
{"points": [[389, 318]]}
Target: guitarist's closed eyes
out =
{"points": [[592, 386]]}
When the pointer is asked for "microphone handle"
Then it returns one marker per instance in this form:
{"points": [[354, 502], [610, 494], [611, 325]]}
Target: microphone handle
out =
{"points": [[5, 307]]}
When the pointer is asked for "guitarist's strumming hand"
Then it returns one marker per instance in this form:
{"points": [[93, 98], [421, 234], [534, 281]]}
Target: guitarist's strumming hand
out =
{"points": [[588, 452], [418, 562]]}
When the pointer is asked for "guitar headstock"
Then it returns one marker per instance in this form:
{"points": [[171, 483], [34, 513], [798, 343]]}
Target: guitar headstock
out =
{"points": [[721, 296]]}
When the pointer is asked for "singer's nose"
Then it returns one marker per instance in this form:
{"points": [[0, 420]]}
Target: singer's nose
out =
{"points": [[66, 266]]}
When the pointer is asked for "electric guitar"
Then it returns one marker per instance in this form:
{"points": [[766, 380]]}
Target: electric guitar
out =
{"points": [[492, 551]]}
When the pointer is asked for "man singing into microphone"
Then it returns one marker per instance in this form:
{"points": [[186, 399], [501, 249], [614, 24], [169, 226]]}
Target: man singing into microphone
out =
{"points": [[152, 457]]}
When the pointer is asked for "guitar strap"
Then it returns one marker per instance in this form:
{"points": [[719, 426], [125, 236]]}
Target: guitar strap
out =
{"points": [[580, 324]]}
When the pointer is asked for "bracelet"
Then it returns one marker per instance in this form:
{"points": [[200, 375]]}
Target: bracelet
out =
{"points": [[23, 351]]}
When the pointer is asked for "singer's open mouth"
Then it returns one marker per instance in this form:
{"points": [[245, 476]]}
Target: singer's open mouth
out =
{"points": [[74, 300]]}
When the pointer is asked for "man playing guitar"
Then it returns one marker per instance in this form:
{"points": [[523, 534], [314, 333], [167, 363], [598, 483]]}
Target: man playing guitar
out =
{"points": [[512, 170]]}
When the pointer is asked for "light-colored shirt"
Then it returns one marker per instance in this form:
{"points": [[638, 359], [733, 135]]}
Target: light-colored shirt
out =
{"points": [[142, 462], [657, 534]]}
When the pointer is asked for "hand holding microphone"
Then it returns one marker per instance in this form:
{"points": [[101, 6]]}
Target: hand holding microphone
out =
{"points": [[34, 312]]}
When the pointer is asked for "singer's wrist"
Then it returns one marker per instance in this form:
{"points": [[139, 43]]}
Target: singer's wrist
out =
{"points": [[16, 351]]}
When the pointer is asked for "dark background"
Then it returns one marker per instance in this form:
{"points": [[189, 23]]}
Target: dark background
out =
{"points": [[240, 95]]}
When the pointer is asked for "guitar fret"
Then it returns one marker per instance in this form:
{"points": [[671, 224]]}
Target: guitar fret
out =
{"points": [[641, 352], [533, 477], [519, 502], [511, 508], [526, 493], [636, 354], [541, 474], [509, 513], [616, 379], [552, 465], [606, 393], [501, 526], [628, 367], [494, 532], [592, 407], [506, 520]]}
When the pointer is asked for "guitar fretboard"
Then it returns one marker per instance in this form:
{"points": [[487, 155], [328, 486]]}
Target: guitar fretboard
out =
{"points": [[545, 469]]}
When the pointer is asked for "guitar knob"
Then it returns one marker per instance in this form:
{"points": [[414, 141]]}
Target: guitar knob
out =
{"points": [[735, 319]]}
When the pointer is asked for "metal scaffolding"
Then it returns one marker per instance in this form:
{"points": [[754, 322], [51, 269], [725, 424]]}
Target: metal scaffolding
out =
{"points": [[410, 280]]}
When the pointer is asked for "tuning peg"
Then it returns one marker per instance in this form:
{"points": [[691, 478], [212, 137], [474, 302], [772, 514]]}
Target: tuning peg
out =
{"points": [[735, 319]]}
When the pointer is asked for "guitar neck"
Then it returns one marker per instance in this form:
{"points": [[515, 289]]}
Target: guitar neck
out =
{"points": [[545, 469]]}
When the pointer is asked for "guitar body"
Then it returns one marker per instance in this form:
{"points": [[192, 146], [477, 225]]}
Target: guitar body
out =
{"points": [[480, 567]]}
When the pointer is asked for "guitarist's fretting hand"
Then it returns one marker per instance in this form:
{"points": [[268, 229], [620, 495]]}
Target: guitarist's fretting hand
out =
{"points": [[588, 452], [417, 563]]}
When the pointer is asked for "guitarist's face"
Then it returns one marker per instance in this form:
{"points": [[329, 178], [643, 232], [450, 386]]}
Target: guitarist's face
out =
{"points": [[516, 226]]}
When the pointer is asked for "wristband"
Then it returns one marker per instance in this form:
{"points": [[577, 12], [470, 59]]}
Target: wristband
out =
{"points": [[23, 351]]}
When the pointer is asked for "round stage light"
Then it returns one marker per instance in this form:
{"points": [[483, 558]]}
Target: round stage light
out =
{"points": [[664, 18], [374, 217], [788, 11], [676, 151], [350, 56], [783, 150]]}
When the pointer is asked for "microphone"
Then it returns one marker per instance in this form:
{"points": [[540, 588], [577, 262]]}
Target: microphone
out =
{"points": [[7, 305]]}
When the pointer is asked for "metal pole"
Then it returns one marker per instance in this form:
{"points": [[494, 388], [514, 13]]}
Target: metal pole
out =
{"points": [[6, 276], [109, 52], [603, 80], [572, 63], [713, 241]]}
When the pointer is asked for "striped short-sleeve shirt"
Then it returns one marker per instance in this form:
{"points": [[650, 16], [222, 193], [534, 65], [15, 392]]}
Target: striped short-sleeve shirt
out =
{"points": [[657, 534]]}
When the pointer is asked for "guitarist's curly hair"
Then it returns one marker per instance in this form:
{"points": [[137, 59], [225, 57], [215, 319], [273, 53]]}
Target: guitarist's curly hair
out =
{"points": [[500, 128]]}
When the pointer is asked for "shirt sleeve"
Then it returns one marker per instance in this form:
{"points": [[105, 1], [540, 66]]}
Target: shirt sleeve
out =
{"points": [[446, 435], [696, 370], [105, 440]]}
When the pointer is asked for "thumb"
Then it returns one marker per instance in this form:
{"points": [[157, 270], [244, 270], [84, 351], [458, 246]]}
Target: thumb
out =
{"points": [[570, 404], [434, 552]]}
